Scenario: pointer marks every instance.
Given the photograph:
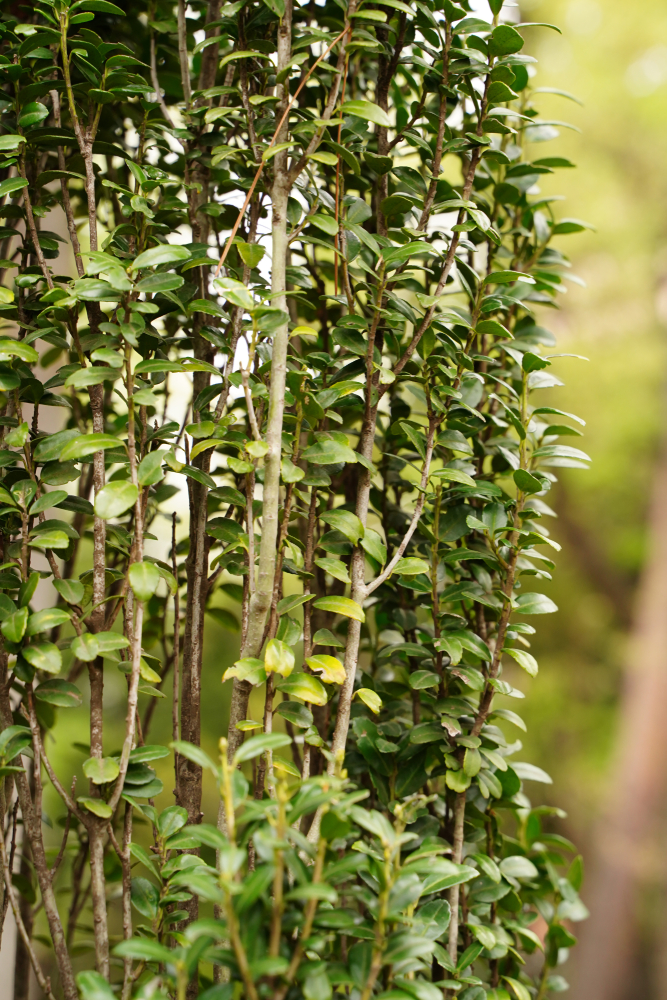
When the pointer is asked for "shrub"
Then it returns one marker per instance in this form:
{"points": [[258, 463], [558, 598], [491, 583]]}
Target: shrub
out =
{"points": [[366, 454]]}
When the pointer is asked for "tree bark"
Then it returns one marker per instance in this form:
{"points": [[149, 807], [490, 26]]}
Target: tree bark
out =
{"points": [[260, 600], [637, 781]]}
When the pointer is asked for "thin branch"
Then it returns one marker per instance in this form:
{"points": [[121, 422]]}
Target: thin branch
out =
{"points": [[44, 981], [419, 507]]}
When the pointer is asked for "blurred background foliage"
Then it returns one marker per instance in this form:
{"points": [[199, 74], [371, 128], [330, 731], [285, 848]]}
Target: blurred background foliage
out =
{"points": [[616, 64], [613, 57]]}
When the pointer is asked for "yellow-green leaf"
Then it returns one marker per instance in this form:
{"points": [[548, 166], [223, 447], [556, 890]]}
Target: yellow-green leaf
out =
{"points": [[370, 699], [306, 687], [278, 658], [330, 669], [341, 606]]}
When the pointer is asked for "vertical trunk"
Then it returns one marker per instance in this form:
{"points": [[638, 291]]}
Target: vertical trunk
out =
{"points": [[260, 600], [32, 831], [209, 57], [189, 774], [358, 594], [457, 854], [22, 960], [638, 777], [96, 676]]}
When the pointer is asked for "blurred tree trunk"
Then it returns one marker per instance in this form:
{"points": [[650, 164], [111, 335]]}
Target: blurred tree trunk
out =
{"points": [[623, 844]]}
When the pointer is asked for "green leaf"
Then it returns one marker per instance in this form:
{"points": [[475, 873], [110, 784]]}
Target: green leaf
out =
{"points": [[50, 539], [246, 725], [18, 437], [248, 669], [412, 567], [195, 754], [150, 752], [115, 498], [526, 482], [87, 444], [13, 739], [199, 476], [285, 766], [250, 253], [86, 647], [40, 621], [278, 658], [422, 679], [529, 772], [97, 806], [9, 142], [172, 819], [235, 292], [260, 744], [370, 699], [326, 223], [306, 687], [520, 991], [14, 183], [272, 151], [373, 545], [150, 468], [322, 156], [50, 447], [314, 890], [341, 606], [159, 365], [328, 451], [507, 277], [92, 376], [454, 476], [58, 692], [458, 781], [13, 627], [99, 5], [366, 110], [294, 712], [7, 498], [525, 660], [145, 896], [143, 949], [504, 41], [93, 986], [110, 641], [289, 472], [101, 770], [43, 656], [71, 591], [379, 164], [517, 866], [165, 253], [346, 522], [144, 578], [16, 349], [162, 282], [493, 327], [48, 500], [535, 604], [32, 114], [335, 568], [533, 362], [290, 603]]}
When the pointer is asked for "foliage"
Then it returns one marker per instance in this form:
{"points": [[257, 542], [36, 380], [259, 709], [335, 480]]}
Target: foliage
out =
{"points": [[365, 466]]}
